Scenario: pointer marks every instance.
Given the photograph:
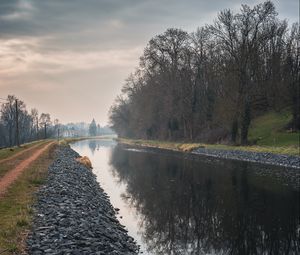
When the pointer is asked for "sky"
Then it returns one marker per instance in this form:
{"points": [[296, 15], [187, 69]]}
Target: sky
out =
{"points": [[70, 58]]}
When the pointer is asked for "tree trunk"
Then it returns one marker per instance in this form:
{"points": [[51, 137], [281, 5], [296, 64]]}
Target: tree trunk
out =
{"points": [[10, 136], [184, 129], [17, 125], [246, 119], [234, 130], [45, 131], [296, 113], [191, 132], [37, 129]]}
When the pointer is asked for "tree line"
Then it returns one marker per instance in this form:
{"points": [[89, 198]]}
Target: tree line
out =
{"points": [[95, 129], [18, 125], [83, 129], [209, 85]]}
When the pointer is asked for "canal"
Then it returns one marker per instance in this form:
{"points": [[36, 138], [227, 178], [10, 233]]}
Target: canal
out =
{"points": [[173, 203]]}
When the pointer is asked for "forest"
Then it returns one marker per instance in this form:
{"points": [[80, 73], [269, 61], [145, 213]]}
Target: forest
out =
{"points": [[19, 125], [210, 84]]}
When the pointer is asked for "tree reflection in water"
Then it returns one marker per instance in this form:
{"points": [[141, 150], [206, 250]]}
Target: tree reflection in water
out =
{"points": [[93, 145], [201, 206], [96, 144]]}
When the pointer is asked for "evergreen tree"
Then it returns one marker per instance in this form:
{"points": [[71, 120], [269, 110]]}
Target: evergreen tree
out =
{"points": [[93, 128]]}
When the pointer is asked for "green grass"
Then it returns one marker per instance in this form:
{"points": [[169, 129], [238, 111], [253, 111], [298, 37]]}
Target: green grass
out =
{"points": [[269, 130], [9, 152], [186, 147], [16, 206], [10, 164]]}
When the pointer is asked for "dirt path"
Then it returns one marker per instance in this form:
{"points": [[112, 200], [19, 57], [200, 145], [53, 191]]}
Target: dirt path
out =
{"points": [[13, 174], [19, 153]]}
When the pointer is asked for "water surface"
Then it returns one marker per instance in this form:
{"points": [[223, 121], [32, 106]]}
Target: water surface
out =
{"points": [[175, 204]]}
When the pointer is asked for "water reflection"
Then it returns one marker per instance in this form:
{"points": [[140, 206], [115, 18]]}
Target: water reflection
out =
{"points": [[203, 207], [97, 144], [93, 145]]}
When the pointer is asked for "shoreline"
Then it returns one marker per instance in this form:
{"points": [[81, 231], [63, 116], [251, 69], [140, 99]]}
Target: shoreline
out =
{"points": [[74, 215], [240, 155], [254, 157]]}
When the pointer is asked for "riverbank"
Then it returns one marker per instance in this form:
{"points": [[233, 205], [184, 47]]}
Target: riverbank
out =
{"points": [[281, 156], [69, 140], [16, 203], [74, 215]]}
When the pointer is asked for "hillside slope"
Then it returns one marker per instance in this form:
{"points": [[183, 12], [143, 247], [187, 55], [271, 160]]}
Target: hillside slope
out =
{"points": [[269, 130]]}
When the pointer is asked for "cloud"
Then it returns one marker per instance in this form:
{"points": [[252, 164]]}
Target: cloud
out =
{"points": [[77, 46], [18, 56], [22, 10], [115, 24]]}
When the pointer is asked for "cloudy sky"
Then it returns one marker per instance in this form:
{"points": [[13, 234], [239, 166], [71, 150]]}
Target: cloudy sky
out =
{"points": [[71, 57]]}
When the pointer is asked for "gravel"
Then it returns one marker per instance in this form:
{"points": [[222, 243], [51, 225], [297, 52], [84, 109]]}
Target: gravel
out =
{"points": [[73, 214], [259, 157]]}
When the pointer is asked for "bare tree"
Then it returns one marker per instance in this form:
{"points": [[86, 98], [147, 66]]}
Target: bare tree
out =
{"points": [[45, 121], [35, 123], [209, 85]]}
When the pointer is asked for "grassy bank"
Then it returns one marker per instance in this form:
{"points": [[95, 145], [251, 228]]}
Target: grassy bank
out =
{"points": [[15, 159], [15, 206], [268, 132], [186, 147], [9, 152]]}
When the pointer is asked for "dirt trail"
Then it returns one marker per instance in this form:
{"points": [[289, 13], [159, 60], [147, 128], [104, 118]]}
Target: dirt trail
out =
{"points": [[14, 173], [19, 153]]}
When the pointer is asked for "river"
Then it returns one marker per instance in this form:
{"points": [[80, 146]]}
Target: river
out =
{"points": [[175, 204]]}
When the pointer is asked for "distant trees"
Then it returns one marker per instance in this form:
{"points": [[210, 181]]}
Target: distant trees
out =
{"points": [[45, 121], [98, 129], [75, 129], [16, 122], [81, 129], [292, 74], [210, 84], [34, 123], [8, 118], [93, 128], [18, 126]]}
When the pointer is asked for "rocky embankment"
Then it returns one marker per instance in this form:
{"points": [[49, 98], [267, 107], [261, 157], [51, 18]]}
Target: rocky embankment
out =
{"points": [[73, 214], [258, 157]]}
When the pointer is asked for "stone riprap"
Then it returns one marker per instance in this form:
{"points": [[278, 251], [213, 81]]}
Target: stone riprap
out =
{"points": [[73, 214], [258, 157]]}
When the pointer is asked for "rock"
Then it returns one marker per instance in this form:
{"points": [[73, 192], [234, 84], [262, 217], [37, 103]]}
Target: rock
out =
{"points": [[73, 214], [258, 157]]}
